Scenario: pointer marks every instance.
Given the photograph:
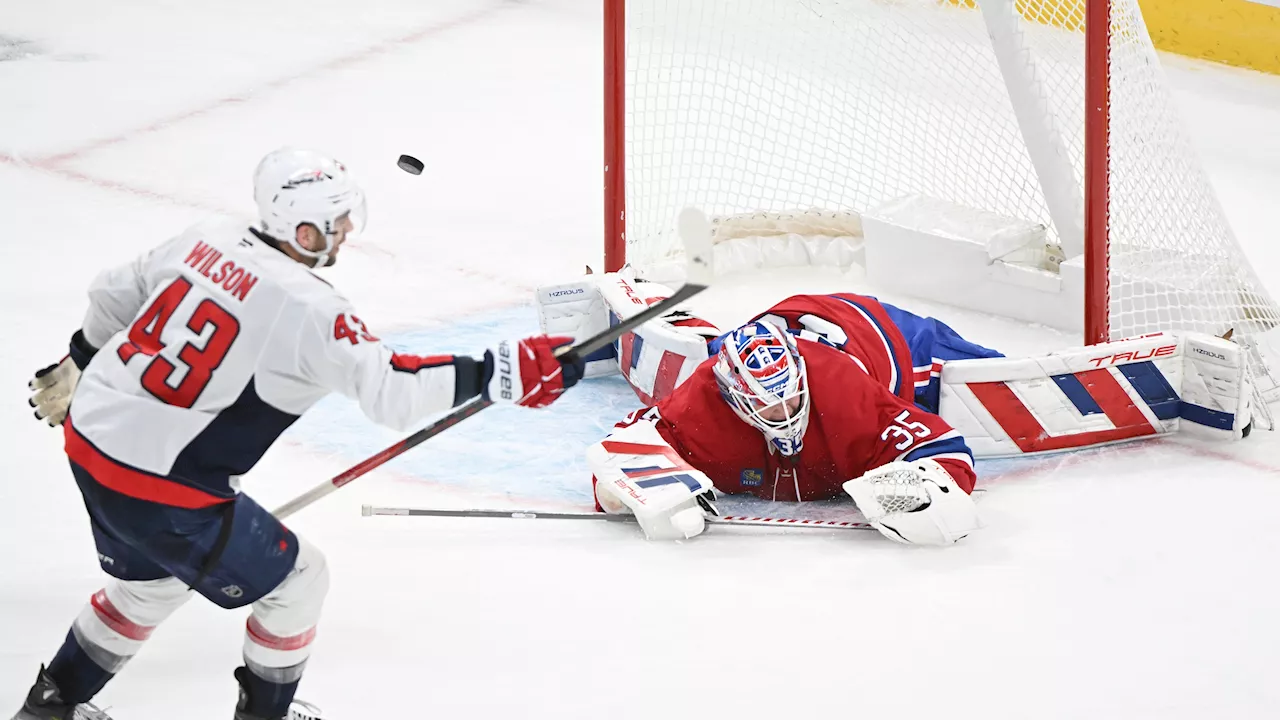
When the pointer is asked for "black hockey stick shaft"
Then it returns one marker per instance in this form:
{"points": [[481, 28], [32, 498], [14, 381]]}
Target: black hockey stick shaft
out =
{"points": [[607, 337]]}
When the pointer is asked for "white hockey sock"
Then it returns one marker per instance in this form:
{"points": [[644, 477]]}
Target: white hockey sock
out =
{"points": [[279, 633], [120, 617]]}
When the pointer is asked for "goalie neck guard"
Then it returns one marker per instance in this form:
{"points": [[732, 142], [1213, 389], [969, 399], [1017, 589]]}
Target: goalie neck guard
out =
{"points": [[762, 376]]}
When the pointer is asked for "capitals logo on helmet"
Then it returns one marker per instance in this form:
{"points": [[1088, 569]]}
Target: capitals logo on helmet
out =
{"points": [[762, 376]]}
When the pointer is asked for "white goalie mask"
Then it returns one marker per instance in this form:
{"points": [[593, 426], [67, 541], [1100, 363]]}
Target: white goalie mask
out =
{"points": [[294, 187], [762, 376]]}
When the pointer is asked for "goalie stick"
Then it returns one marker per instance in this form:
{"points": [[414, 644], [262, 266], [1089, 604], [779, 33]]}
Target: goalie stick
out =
{"points": [[748, 520], [695, 232], [372, 510]]}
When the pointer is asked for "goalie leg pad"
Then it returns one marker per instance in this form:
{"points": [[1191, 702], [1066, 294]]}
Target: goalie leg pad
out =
{"points": [[576, 309], [916, 503], [654, 358], [1110, 392], [1217, 388], [636, 471]]}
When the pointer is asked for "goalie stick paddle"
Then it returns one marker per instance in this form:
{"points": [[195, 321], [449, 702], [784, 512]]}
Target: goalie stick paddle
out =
{"points": [[372, 510], [695, 232]]}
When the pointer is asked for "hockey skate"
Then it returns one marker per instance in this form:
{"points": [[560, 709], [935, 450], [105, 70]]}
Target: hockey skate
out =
{"points": [[44, 702], [298, 709]]}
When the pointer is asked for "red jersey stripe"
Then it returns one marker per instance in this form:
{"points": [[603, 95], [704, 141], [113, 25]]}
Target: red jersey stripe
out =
{"points": [[128, 481], [414, 363]]}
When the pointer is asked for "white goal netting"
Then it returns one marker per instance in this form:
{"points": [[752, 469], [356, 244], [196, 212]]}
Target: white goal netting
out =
{"points": [[750, 107]]}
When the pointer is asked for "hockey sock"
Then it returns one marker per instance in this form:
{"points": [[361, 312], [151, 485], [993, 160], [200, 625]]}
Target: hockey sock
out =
{"points": [[262, 698], [76, 674]]}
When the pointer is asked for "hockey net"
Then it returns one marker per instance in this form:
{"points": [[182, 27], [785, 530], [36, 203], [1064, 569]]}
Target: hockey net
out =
{"points": [[755, 109]]}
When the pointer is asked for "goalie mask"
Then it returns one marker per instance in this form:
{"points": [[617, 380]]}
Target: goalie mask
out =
{"points": [[295, 187], [762, 376]]}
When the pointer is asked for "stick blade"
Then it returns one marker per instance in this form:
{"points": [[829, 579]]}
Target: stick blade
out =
{"points": [[695, 233]]}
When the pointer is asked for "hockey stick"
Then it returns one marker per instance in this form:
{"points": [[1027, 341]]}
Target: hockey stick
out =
{"points": [[371, 510], [695, 232]]}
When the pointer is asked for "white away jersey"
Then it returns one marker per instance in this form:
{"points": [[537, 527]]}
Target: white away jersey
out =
{"points": [[209, 347]]}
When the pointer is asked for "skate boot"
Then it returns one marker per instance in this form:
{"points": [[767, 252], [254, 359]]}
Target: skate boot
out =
{"points": [[298, 709], [44, 702], [303, 710]]}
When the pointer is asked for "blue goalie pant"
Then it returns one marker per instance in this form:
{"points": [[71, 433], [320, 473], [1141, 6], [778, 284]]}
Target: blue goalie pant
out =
{"points": [[932, 343]]}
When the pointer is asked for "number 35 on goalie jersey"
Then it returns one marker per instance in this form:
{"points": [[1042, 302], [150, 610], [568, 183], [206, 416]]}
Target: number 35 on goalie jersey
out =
{"points": [[211, 345], [856, 424]]}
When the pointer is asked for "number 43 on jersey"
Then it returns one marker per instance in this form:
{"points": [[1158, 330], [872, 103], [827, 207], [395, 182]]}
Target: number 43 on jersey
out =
{"points": [[199, 362]]}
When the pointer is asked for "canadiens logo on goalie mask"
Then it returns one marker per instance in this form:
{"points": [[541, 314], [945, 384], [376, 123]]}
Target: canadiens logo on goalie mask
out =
{"points": [[761, 375]]}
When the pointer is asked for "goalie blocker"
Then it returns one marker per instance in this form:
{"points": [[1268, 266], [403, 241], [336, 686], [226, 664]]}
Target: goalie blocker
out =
{"points": [[1076, 398]]}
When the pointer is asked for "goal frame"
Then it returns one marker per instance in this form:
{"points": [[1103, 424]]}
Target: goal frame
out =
{"points": [[1096, 160]]}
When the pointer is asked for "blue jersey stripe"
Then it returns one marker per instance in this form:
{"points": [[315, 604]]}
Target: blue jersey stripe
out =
{"points": [[953, 444]]}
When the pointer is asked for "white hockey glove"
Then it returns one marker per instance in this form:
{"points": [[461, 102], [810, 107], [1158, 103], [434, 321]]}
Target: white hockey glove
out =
{"points": [[528, 372], [636, 471], [52, 389], [917, 503]]}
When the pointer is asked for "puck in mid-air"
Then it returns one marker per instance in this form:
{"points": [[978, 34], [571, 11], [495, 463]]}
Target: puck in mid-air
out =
{"points": [[410, 164]]}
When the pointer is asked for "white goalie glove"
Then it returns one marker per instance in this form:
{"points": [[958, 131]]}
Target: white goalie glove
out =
{"points": [[917, 503], [637, 472]]}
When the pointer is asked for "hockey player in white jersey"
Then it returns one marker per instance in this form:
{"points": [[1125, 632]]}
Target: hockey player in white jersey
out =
{"points": [[191, 361]]}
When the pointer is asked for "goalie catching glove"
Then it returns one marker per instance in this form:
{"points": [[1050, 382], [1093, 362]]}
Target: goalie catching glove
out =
{"points": [[916, 503], [528, 372], [637, 472]]}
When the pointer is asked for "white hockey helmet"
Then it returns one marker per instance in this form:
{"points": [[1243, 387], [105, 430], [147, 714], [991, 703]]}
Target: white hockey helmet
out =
{"points": [[762, 376], [294, 187]]}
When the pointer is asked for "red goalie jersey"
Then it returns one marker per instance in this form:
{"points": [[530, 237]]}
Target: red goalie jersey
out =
{"points": [[862, 412]]}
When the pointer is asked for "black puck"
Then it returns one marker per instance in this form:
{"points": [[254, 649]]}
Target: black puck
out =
{"points": [[410, 164]]}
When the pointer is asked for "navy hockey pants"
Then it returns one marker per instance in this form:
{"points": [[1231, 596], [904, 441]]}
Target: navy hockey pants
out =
{"points": [[232, 554]]}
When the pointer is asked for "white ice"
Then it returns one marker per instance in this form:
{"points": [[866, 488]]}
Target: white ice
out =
{"points": [[1131, 582]]}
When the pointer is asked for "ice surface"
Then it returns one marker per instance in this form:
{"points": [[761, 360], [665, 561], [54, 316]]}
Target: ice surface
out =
{"points": [[1129, 582]]}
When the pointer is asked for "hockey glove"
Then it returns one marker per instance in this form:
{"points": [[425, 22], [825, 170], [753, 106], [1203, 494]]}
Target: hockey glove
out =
{"points": [[528, 372], [916, 503], [53, 387]]}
